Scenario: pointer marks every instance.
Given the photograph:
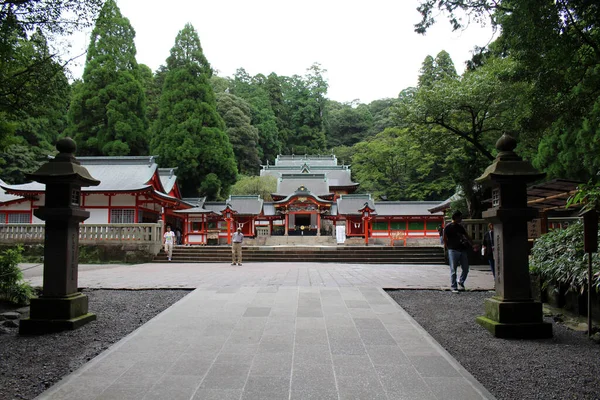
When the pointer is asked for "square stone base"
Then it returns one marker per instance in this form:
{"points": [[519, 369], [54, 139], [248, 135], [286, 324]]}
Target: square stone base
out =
{"points": [[515, 319], [55, 314]]}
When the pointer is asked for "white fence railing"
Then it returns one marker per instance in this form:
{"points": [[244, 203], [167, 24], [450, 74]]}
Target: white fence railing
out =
{"points": [[88, 233]]}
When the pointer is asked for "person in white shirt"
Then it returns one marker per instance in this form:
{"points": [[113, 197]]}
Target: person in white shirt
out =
{"points": [[169, 239], [236, 247]]}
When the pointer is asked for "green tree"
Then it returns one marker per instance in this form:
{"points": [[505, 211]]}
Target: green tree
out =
{"points": [[556, 48], [257, 185], [395, 165], [306, 99], [108, 111], [347, 124], [253, 90], [189, 133], [243, 136]]}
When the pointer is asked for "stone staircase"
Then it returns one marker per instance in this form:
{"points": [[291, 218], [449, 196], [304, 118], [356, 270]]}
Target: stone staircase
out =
{"points": [[299, 253]]}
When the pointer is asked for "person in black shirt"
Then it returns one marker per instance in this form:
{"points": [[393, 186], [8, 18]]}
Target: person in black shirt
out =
{"points": [[458, 243]]}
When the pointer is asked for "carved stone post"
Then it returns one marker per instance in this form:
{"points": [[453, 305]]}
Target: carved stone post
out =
{"points": [[512, 313], [61, 306]]}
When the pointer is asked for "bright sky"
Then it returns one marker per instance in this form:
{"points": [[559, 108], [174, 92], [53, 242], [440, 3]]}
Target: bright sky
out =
{"points": [[369, 49]]}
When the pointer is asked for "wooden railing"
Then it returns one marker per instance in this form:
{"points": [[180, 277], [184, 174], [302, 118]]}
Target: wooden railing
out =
{"points": [[88, 233]]}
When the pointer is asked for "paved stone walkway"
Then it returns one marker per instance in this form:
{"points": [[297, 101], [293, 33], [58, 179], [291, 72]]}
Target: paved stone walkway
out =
{"points": [[267, 331], [178, 275]]}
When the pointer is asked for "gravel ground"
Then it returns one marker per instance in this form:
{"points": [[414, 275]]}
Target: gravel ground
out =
{"points": [[31, 364], [564, 367]]}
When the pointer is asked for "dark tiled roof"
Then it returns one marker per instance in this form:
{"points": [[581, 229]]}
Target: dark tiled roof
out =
{"points": [[289, 183], [268, 208], [310, 160], [4, 197], [116, 174], [349, 204], [391, 208]]}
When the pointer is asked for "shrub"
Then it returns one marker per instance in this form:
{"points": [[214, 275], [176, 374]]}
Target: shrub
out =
{"points": [[558, 257], [12, 287]]}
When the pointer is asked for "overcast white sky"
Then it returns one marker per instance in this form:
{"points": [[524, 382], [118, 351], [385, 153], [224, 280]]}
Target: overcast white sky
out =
{"points": [[369, 48]]}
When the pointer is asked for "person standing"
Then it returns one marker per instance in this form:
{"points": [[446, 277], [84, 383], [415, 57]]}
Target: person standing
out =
{"points": [[169, 239], [236, 247], [178, 236], [458, 243], [488, 248], [440, 229]]}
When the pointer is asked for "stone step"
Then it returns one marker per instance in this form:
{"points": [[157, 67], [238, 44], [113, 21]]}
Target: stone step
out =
{"points": [[339, 254]]}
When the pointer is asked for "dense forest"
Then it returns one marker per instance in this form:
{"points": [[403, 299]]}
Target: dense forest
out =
{"points": [[538, 81]]}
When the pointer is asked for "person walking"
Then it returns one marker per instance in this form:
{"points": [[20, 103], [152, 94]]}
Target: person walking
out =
{"points": [[236, 247], [169, 240], [488, 248], [458, 243]]}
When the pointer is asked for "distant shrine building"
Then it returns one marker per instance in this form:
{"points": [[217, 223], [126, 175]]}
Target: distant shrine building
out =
{"points": [[315, 197]]}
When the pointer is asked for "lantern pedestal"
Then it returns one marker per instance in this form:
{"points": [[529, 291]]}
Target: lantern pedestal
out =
{"points": [[514, 319], [55, 314]]}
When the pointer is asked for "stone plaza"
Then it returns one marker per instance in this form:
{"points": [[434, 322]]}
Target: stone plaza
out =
{"points": [[274, 331]]}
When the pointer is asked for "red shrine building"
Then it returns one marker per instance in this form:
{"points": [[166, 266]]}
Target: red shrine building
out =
{"points": [[315, 197]]}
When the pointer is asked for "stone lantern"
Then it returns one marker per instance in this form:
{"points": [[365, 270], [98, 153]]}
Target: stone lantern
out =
{"points": [[512, 313], [61, 306]]}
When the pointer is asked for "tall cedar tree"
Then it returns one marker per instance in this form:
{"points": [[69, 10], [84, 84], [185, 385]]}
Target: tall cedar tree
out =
{"points": [[108, 111], [189, 133]]}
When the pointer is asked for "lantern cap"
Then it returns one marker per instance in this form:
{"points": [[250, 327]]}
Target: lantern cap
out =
{"points": [[508, 165], [64, 167]]}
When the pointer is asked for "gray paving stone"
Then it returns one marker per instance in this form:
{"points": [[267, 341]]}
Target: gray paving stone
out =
{"points": [[226, 376], [349, 365], [342, 332], [310, 323], [329, 394], [360, 387], [239, 336], [309, 312], [357, 304], [239, 348], [272, 364], [311, 336], [313, 377], [235, 358], [362, 313], [173, 387], [433, 366], [387, 355], [266, 387], [346, 347], [312, 354], [403, 381], [375, 337], [452, 388], [256, 323], [257, 312], [215, 394], [276, 344], [369, 323], [190, 365]]}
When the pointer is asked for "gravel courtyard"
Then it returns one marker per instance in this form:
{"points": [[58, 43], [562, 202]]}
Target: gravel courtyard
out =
{"points": [[564, 367]]}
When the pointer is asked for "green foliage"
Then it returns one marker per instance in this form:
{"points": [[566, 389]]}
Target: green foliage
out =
{"points": [[237, 114], [587, 195], [394, 164], [189, 133], [12, 287], [558, 257], [258, 185], [108, 110], [347, 124], [211, 187]]}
